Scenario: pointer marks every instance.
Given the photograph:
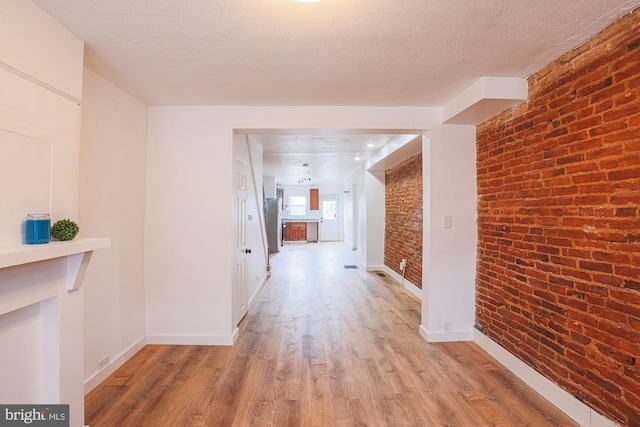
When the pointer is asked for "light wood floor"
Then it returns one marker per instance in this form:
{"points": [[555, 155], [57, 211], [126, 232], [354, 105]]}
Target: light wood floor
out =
{"points": [[321, 346]]}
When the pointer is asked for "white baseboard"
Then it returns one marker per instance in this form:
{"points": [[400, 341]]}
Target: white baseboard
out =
{"points": [[257, 292], [576, 410], [441, 336], [413, 289], [191, 339], [94, 380]]}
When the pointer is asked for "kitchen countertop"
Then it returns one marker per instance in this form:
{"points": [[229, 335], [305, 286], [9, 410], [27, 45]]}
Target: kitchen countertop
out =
{"points": [[300, 219]]}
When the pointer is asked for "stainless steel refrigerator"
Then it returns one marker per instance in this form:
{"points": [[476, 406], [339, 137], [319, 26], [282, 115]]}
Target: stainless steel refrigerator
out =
{"points": [[273, 224]]}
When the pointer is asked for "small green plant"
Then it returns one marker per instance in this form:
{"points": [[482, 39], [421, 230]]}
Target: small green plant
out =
{"points": [[64, 229]]}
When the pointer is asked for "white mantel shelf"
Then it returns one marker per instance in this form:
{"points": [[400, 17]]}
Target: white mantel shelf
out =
{"points": [[78, 253], [25, 254]]}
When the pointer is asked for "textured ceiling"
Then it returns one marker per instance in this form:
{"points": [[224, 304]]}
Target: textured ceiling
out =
{"points": [[320, 157], [334, 52]]}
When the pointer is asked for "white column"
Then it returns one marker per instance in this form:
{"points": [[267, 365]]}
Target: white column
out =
{"points": [[375, 214], [449, 250]]}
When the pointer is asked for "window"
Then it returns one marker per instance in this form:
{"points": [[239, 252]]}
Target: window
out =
{"points": [[329, 208], [297, 205]]}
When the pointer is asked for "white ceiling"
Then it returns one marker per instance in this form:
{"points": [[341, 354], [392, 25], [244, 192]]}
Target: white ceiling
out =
{"points": [[333, 52], [319, 157]]}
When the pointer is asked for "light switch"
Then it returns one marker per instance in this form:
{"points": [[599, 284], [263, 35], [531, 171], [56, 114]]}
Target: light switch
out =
{"points": [[448, 221]]}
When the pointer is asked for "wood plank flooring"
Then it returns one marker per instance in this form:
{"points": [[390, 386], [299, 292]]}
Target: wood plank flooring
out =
{"points": [[321, 346]]}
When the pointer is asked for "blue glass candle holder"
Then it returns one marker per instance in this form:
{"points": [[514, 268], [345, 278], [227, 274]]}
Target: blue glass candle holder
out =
{"points": [[38, 228]]}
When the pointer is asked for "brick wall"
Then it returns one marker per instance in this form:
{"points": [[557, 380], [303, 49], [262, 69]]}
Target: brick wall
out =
{"points": [[403, 226], [558, 276]]}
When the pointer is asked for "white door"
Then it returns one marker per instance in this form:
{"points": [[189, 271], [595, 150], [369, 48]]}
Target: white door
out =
{"points": [[330, 219], [240, 288]]}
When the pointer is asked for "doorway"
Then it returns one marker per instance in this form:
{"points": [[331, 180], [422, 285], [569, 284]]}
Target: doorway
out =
{"points": [[240, 284], [329, 229], [330, 163]]}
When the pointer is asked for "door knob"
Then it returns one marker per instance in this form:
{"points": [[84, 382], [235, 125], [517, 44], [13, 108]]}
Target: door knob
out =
{"points": [[247, 251]]}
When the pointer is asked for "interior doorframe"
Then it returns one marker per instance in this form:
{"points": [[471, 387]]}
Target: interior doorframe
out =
{"points": [[339, 218], [364, 229]]}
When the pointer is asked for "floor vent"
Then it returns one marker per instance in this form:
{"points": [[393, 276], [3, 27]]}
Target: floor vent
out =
{"points": [[351, 266], [385, 278]]}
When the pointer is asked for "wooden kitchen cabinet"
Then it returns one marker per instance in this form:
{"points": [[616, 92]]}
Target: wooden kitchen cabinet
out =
{"points": [[314, 196], [295, 231]]}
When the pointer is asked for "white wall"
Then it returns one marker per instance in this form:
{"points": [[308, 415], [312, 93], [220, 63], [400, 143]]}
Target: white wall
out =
{"points": [[40, 85], [269, 183], [449, 254], [40, 81], [349, 210], [299, 190], [303, 190], [188, 237], [38, 46], [361, 222], [113, 142], [375, 214], [188, 231]]}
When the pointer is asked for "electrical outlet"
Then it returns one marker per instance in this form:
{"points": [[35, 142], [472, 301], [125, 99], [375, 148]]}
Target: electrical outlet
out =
{"points": [[102, 363]]}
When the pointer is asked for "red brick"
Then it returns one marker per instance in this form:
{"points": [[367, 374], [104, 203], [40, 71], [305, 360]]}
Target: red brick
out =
{"points": [[627, 211], [621, 161], [589, 177], [620, 113], [612, 149], [607, 94], [561, 192], [587, 123], [629, 134], [603, 187], [631, 173], [403, 227]]}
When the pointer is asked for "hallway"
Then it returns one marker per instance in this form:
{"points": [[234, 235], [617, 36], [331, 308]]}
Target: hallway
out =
{"points": [[322, 345]]}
